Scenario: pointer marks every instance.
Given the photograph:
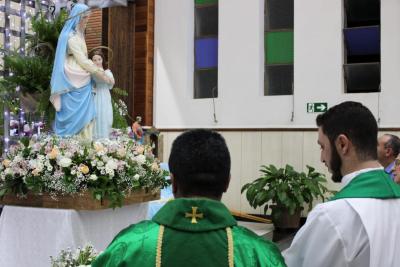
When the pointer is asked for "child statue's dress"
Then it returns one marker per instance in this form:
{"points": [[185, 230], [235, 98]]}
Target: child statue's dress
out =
{"points": [[102, 102]]}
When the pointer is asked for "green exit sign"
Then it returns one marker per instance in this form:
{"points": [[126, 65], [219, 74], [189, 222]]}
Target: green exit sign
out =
{"points": [[316, 107]]}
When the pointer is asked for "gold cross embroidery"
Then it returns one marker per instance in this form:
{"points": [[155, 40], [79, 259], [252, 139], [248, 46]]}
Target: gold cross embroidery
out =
{"points": [[194, 215]]}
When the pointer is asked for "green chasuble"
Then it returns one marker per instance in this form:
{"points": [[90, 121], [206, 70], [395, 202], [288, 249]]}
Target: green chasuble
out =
{"points": [[372, 184], [190, 232]]}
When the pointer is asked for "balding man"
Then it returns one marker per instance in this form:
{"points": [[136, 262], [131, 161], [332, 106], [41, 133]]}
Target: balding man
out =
{"points": [[388, 150]]}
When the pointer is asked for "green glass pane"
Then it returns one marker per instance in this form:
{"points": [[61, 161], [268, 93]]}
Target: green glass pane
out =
{"points": [[205, 2], [278, 47]]}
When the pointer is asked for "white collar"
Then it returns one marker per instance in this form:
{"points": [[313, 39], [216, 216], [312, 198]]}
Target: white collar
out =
{"points": [[348, 177]]}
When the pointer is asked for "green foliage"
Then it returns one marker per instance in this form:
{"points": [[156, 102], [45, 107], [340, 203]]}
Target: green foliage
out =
{"points": [[120, 110], [44, 42], [81, 257], [286, 187], [33, 72], [119, 121]]}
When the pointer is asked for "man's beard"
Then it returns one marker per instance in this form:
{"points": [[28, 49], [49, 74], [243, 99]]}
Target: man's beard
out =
{"points": [[335, 165]]}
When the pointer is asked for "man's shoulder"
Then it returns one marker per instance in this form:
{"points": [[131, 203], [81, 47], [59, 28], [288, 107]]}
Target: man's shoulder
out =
{"points": [[330, 211], [136, 230], [128, 244]]}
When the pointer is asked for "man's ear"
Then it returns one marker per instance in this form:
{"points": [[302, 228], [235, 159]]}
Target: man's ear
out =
{"points": [[342, 144], [388, 151]]}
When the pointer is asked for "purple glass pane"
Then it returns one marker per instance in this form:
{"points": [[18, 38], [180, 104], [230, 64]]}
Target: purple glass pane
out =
{"points": [[206, 51], [362, 41]]}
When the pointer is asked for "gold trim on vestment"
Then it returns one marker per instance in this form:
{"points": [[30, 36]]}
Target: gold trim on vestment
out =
{"points": [[159, 245], [230, 246]]}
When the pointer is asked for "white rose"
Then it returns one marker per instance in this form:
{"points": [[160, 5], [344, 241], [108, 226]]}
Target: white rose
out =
{"points": [[93, 177], [111, 164], [136, 177], [141, 159], [65, 162]]}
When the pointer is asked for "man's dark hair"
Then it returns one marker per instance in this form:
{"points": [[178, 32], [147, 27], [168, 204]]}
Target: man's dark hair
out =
{"points": [[394, 144], [201, 163], [354, 121]]}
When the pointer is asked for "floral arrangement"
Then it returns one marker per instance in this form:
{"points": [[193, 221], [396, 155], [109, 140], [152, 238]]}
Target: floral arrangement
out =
{"points": [[109, 168], [81, 257]]}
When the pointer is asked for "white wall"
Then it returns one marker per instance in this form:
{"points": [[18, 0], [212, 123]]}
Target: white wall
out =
{"points": [[318, 60]]}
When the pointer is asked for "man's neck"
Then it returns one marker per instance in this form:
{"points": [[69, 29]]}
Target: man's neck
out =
{"points": [[353, 166], [197, 196]]}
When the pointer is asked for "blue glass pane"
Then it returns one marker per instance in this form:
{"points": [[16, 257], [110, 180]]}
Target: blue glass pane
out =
{"points": [[206, 53], [362, 41]]}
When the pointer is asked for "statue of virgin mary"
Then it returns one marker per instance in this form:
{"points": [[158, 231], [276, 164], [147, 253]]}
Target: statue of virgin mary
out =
{"points": [[71, 87]]}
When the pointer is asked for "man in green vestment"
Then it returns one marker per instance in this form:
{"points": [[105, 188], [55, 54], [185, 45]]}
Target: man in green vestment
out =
{"points": [[359, 227], [195, 229]]}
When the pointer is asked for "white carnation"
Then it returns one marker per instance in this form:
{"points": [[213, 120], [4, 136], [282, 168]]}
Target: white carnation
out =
{"points": [[111, 164], [65, 162], [93, 177]]}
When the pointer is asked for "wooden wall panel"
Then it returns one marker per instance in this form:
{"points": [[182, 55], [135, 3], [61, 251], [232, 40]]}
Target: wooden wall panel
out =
{"points": [[144, 54], [121, 39], [129, 32]]}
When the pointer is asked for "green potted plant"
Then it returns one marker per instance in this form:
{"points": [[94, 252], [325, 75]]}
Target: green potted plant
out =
{"points": [[285, 191]]}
